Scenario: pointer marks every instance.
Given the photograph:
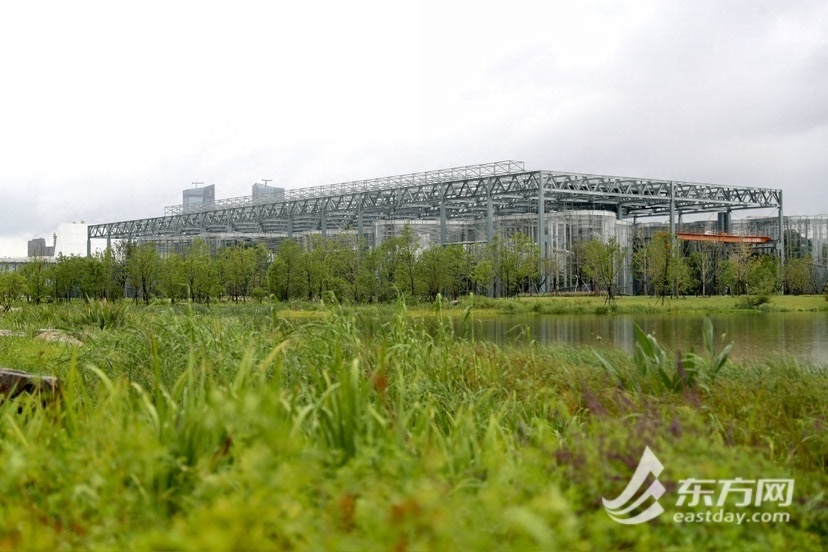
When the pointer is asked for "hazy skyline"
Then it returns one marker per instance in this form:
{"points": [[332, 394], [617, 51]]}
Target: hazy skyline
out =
{"points": [[110, 109]]}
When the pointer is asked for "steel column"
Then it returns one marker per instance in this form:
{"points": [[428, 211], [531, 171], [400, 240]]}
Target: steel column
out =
{"points": [[443, 223], [360, 230], [781, 245], [542, 246], [489, 211], [488, 185], [672, 208]]}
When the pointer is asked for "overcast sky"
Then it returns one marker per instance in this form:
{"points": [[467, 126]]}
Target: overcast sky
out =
{"points": [[108, 110]]}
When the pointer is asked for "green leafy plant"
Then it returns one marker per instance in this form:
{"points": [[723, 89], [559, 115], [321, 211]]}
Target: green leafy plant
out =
{"points": [[259, 294], [214, 427], [707, 367], [104, 314], [652, 364], [12, 288]]}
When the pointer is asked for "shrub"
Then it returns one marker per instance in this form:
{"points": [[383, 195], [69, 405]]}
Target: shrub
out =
{"points": [[104, 314], [753, 301], [258, 294], [653, 370]]}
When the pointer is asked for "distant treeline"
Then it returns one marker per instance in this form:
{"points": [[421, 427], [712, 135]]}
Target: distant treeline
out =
{"points": [[662, 266]]}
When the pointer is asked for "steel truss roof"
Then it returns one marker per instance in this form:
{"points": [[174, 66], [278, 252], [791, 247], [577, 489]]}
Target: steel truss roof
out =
{"points": [[470, 193], [327, 190]]}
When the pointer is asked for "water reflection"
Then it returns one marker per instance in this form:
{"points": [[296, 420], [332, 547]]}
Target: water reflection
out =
{"points": [[802, 335]]}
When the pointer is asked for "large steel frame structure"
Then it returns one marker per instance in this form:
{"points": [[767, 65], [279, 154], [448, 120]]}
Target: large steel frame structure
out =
{"points": [[475, 192], [808, 234]]}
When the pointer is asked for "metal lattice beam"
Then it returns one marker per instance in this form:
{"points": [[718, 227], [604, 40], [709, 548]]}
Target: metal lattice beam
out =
{"points": [[473, 192]]}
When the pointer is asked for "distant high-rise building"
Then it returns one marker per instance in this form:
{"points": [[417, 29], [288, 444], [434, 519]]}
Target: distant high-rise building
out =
{"points": [[199, 199], [263, 193], [70, 239], [37, 248]]}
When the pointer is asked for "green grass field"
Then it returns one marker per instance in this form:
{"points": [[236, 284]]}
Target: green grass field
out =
{"points": [[187, 427]]}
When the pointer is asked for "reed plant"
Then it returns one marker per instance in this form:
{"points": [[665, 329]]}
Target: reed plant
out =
{"points": [[202, 428], [653, 366], [104, 314]]}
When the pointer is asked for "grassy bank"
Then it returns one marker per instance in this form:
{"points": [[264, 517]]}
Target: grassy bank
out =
{"points": [[562, 304], [194, 428]]}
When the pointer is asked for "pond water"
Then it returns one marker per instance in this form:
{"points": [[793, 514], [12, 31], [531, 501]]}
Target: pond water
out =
{"points": [[802, 335]]}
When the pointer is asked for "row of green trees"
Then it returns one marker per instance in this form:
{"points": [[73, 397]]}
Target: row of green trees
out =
{"points": [[139, 271], [666, 266], [663, 267], [336, 265], [400, 266]]}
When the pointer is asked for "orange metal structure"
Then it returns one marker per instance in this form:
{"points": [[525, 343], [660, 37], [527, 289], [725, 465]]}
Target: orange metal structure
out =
{"points": [[723, 238]]}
